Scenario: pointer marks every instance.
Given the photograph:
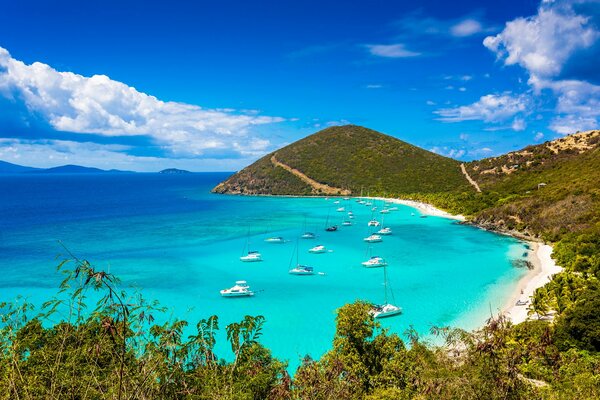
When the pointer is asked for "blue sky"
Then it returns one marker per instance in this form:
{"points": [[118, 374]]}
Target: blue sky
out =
{"points": [[214, 85]]}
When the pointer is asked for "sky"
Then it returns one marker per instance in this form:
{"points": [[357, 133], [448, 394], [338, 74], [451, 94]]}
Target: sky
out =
{"points": [[212, 86]]}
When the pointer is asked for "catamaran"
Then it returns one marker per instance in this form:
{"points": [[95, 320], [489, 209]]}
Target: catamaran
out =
{"points": [[300, 269], [252, 256], [240, 289], [386, 309], [374, 262], [318, 249], [384, 231], [373, 222], [308, 235], [373, 239], [275, 239]]}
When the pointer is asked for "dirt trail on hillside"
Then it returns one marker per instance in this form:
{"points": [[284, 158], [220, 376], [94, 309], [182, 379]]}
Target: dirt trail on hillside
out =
{"points": [[471, 180], [317, 187]]}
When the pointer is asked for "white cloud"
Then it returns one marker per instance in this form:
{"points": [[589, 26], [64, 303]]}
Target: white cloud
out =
{"points": [[538, 136], [466, 27], [489, 108], [430, 103], [518, 125], [397, 50], [463, 136], [374, 86], [100, 105], [544, 42], [462, 89]]}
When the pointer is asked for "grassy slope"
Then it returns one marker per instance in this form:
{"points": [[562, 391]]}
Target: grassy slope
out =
{"points": [[569, 202], [262, 177], [352, 157]]}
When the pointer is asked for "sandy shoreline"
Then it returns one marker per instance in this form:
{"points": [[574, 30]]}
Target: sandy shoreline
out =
{"points": [[544, 268], [540, 256], [424, 208]]}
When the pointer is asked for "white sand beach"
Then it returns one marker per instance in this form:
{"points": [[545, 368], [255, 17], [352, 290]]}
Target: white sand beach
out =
{"points": [[544, 268], [423, 208]]}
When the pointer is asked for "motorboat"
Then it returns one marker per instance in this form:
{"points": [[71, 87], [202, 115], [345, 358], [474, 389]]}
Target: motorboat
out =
{"points": [[373, 239], [318, 249], [240, 289], [374, 262], [252, 256], [341, 209], [384, 231], [368, 203], [347, 223], [385, 310], [308, 235], [302, 270], [385, 211], [336, 202], [275, 239], [373, 222]]}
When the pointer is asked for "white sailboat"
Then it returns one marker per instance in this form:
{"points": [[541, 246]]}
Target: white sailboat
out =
{"points": [[373, 238], [386, 309], [275, 239], [250, 255], [374, 262], [300, 269]]}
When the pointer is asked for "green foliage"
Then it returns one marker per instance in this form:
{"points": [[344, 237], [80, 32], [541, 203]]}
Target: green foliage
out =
{"points": [[579, 325]]}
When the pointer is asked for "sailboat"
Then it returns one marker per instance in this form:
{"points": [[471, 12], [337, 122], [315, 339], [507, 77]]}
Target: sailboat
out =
{"points": [[329, 228], [251, 255], [384, 230], [386, 309], [307, 234], [300, 269]]}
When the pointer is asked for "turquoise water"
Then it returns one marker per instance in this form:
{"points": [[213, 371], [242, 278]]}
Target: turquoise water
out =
{"points": [[180, 244]]}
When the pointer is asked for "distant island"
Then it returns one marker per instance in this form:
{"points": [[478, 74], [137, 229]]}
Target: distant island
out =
{"points": [[174, 171], [9, 168]]}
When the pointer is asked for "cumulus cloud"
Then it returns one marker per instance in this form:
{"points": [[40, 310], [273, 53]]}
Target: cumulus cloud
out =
{"points": [[466, 27], [489, 108], [397, 50], [99, 105], [543, 44]]}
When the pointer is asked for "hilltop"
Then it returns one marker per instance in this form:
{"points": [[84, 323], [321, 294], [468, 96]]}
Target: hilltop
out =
{"points": [[348, 160]]}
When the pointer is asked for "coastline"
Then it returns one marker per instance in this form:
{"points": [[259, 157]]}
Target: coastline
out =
{"points": [[544, 268], [540, 256], [423, 208]]}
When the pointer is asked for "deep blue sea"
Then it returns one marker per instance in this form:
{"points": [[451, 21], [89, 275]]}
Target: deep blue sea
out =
{"points": [[180, 244]]}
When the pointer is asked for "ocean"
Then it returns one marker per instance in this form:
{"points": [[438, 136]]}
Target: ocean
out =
{"points": [[170, 238]]}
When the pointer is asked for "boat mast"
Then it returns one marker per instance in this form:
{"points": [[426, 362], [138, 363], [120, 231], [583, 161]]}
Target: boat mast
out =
{"points": [[385, 299]]}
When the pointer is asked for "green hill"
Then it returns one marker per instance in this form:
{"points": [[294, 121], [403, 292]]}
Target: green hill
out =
{"points": [[545, 190], [349, 158]]}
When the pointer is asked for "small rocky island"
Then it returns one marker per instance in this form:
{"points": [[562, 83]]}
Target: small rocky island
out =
{"points": [[174, 171]]}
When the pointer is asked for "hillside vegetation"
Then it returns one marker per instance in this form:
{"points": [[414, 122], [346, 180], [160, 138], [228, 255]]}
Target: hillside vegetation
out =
{"points": [[353, 158]]}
